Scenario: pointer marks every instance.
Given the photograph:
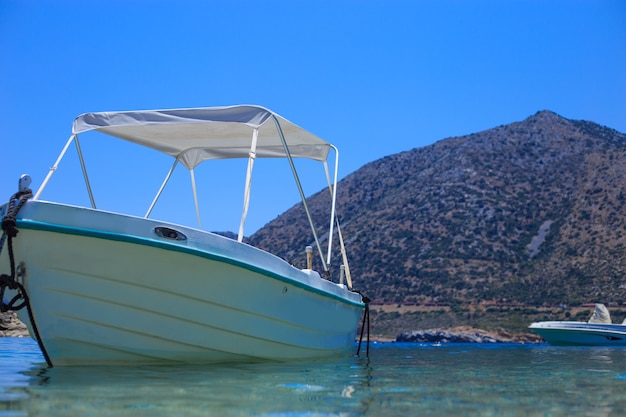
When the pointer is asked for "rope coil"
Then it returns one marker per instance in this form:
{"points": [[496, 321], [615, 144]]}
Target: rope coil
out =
{"points": [[9, 232]]}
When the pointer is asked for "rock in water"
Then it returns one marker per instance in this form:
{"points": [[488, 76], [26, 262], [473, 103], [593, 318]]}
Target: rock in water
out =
{"points": [[10, 325]]}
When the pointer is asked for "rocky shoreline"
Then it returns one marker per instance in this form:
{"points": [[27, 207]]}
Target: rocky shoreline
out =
{"points": [[467, 335]]}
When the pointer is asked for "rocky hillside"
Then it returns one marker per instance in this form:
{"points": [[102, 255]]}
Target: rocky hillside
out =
{"points": [[532, 213]]}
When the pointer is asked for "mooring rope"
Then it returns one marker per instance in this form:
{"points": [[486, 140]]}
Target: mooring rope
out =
{"points": [[366, 317], [10, 231]]}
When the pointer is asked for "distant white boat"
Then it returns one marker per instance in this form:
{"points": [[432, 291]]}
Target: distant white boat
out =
{"points": [[580, 333], [111, 288], [598, 331]]}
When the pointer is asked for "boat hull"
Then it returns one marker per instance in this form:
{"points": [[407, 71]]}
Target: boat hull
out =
{"points": [[108, 289], [564, 333]]}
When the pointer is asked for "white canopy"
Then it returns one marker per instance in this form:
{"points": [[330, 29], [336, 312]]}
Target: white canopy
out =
{"points": [[195, 135]]}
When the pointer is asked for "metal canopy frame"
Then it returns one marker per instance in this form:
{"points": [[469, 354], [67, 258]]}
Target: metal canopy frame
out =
{"points": [[332, 184]]}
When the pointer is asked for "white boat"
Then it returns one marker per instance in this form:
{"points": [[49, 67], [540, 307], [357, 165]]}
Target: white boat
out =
{"points": [[598, 331], [103, 287], [580, 333]]}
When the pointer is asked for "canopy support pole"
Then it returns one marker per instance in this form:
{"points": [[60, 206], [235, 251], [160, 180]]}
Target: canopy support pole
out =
{"points": [[246, 193], [333, 196], [344, 256], [297, 179], [158, 194], [82, 165], [195, 196], [54, 168]]}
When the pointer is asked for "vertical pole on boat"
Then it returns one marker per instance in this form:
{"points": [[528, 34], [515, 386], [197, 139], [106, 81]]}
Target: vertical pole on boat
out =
{"points": [[54, 168], [302, 197], [195, 196], [246, 193], [82, 165], [344, 255], [333, 194], [309, 257]]}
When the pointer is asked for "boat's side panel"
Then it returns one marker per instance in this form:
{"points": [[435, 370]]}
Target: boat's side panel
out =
{"points": [[143, 301], [65, 219], [104, 300]]}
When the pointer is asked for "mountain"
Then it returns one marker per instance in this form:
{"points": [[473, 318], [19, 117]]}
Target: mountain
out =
{"points": [[527, 214]]}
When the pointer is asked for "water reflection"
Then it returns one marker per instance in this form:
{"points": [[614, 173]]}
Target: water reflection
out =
{"points": [[398, 380], [323, 386]]}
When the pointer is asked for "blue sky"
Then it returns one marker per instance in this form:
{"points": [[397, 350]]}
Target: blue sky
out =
{"points": [[373, 77]]}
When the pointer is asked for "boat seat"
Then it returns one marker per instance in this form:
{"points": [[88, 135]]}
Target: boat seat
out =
{"points": [[600, 315]]}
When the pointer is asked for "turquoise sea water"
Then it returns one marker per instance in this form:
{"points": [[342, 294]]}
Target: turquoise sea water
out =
{"points": [[398, 379]]}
